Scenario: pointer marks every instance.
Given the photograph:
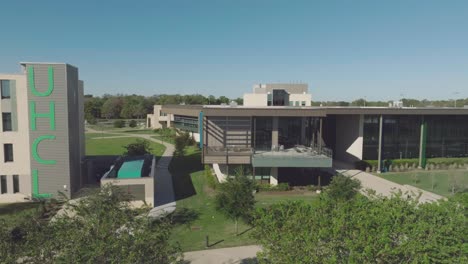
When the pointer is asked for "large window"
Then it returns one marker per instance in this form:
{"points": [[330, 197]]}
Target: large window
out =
{"points": [[5, 88], [371, 137], [3, 184], [8, 152], [262, 137], [6, 121], [401, 137], [447, 136]]}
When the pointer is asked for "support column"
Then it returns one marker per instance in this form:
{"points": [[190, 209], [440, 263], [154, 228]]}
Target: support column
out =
{"points": [[274, 176], [274, 133], [303, 130], [379, 159], [422, 144], [168, 121], [320, 137]]}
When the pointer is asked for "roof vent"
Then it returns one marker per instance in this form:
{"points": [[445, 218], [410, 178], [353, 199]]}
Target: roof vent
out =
{"points": [[233, 104]]}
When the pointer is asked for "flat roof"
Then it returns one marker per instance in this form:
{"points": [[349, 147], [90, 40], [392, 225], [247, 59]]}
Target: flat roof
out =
{"points": [[319, 111]]}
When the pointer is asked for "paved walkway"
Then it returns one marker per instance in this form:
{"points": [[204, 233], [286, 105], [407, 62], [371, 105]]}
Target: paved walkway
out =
{"points": [[164, 197], [385, 187], [244, 255]]}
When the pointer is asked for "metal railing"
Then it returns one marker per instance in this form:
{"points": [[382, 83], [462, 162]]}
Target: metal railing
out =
{"points": [[228, 150], [312, 150]]}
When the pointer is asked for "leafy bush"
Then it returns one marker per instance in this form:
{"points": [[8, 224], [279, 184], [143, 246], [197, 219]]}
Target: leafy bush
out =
{"points": [[132, 123], [138, 148], [313, 188], [440, 162], [181, 141], [343, 188], [210, 178], [119, 123], [265, 187]]}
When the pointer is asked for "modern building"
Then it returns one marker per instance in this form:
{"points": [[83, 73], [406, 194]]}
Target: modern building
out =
{"points": [[42, 131], [292, 142]]}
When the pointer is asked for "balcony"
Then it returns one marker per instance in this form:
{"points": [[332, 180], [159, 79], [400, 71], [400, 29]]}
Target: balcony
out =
{"points": [[298, 156], [227, 155]]}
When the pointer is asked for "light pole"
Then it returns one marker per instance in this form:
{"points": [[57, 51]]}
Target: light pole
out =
{"points": [[455, 100]]}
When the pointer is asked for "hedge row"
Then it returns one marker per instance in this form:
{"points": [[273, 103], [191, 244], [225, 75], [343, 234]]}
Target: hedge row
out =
{"points": [[265, 187], [412, 163]]}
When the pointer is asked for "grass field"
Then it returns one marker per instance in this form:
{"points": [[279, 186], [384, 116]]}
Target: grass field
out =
{"points": [[97, 135], [439, 182], [115, 146], [196, 208]]}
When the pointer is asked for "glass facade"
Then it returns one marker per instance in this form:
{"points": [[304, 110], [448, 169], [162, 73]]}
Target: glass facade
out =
{"points": [[186, 123], [262, 137], [447, 136], [289, 131], [6, 121]]}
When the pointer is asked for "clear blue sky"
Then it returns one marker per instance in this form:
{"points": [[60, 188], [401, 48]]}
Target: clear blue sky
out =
{"points": [[344, 50]]}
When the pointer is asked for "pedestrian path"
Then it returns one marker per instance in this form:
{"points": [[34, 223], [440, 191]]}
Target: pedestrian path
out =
{"points": [[244, 254]]}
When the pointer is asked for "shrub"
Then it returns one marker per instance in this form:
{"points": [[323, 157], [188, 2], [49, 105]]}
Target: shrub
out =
{"points": [[181, 141], [265, 187], [210, 178], [313, 188], [343, 188], [119, 123], [139, 147], [132, 123]]}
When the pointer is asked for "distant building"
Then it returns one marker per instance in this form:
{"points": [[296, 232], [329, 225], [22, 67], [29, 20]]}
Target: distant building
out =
{"points": [[42, 132], [278, 94], [279, 137]]}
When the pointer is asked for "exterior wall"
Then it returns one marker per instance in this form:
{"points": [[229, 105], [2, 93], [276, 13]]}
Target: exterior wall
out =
{"points": [[307, 98], [18, 105], [155, 118], [255, 99], [292, 88], [349, 138], [55, 166], [148, 183]]}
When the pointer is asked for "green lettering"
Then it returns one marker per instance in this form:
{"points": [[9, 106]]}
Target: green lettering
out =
{"points": [[33, 84], [35, 186], [34, 115], [36, 154]]}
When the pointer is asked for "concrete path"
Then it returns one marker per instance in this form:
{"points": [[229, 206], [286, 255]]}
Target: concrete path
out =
{"points": [[387, 188], [244, 255], [164, 197]]}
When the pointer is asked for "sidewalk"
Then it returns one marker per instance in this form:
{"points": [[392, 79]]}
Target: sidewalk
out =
{"points": [[244, 255]]}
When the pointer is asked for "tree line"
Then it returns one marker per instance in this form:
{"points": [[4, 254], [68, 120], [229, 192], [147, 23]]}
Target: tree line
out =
{"points": [[137, 106], [407, 102]]}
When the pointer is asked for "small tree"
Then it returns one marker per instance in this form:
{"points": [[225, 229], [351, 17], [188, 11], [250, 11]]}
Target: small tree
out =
{"points": [[138, 148], [343, 188], [181, 141], [235, 198], [132, 123], [119, 123]]}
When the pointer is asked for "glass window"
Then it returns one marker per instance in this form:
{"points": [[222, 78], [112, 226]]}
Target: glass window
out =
{"points": [[447, 136], [5, 88], [8, 152], [16, 184], [303, 103], [262, 137], [3, 184], [6, 120]]}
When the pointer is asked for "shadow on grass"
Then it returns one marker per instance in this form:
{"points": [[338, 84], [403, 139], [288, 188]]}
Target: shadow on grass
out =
{"points": [[216, 243], [184, 216], [245, 231], [181, 168]]}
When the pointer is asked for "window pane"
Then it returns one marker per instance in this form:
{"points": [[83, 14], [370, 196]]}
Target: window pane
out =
{"points": [[5, 88], [6, 120], [16, 184], [8, 152], [3, 184]]}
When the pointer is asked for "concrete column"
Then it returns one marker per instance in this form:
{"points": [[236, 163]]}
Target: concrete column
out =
{"points": [[320, 138], [422, 144], [303, 130], [168, 122], [379, 159], [274, 132], [274, 176]]}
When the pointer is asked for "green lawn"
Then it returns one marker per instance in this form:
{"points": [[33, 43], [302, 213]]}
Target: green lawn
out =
{"points": [[96, 135], [196, 208], [115, 146], [438, 182]]}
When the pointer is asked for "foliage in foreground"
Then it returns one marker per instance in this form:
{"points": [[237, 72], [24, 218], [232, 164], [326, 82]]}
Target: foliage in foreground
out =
{"points": [[235, 198], [363, 230], [183, 140], [103, 229]]}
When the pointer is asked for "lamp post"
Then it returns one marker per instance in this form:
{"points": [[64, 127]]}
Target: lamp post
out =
{"points": [[455, 100]]}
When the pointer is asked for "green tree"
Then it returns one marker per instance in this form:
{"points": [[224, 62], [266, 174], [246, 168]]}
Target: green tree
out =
{"points": [[235, 198], [343, 188], [181, 141], [119, 123], [363, 230], [112, 107], [132, 123], [138, 148], [99, 228]]}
